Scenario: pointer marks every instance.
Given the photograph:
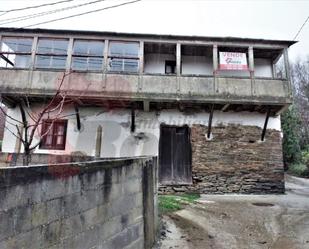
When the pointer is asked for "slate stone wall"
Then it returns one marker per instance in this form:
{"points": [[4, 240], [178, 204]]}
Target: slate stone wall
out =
{"points": [[87, 205], [234, 161]]}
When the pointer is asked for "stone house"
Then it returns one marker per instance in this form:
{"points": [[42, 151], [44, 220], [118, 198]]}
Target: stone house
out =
{"points": [[208, 107]]}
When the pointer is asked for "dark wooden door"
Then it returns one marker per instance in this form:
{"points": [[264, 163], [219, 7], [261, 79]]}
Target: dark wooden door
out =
{"points": [[175, 155]]}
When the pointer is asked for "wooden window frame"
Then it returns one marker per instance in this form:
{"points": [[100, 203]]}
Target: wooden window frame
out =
{"points": [[88, 56], [51, 55], [110, 57], [5, 54], [56, 123]]}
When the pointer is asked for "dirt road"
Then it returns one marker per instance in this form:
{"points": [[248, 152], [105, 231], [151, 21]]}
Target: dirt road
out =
{"points": [[243, 221]]}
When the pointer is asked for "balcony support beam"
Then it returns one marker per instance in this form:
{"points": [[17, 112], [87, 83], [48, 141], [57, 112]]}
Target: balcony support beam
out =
{"points": [[132, 127], [210, 120], [225, 107], [146, 105], [265, 124], [283, 109], [78, 124]]}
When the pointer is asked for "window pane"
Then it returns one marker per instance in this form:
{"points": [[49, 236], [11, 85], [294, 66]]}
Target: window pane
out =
{"points": [[115, 64], [86, 63], [42, 61], [22, 61], [60, 129], [79, 63], [58, 62], [59, 140], [49, 46], [123, 65], [13, 60], [130, 65], [16, 45], [95, 63], [94, 48], [48, 140], [123, 49]]}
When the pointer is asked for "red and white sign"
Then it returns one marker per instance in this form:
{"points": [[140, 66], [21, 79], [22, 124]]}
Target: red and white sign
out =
{"points": [[233, 61]]}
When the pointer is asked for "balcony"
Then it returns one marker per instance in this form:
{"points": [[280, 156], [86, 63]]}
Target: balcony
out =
{"points": [[142, 70], [207, 89]]}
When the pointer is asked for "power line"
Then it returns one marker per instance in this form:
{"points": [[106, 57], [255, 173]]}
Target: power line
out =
{"points": [[302, 26], [83, 13], [26, 17], [36, 6]]}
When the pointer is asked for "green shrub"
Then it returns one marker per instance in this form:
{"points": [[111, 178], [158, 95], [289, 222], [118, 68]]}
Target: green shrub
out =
{"points": [[290, 122], [171, 203], [298, 169]]}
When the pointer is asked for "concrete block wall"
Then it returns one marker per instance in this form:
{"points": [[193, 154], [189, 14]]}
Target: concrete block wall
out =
{"points": [[88, 205]]}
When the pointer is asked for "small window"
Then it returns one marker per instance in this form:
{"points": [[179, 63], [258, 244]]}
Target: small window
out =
{"points": [[51, 53], [170, 67], [54, 134], [16, 52], [123, 57], [87, 55]]}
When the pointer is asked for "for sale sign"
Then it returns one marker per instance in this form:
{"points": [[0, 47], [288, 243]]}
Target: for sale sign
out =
{"points": [[233, 61]]}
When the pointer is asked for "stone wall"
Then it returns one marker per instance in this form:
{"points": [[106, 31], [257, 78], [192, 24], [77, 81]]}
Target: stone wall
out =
{"points": [[235, 161], [87, 205]]}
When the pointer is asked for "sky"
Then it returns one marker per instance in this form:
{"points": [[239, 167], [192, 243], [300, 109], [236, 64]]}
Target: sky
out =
{"points": [[272, 19]]}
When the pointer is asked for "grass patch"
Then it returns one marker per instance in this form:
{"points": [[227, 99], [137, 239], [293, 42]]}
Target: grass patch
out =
{"points": [[298, 169], [172, 203]]}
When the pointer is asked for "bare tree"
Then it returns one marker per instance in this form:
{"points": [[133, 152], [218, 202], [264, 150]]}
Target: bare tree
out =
{"points": [[300, 76], [28, 128]]}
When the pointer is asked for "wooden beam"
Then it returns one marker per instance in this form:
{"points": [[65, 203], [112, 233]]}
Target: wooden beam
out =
{"points": [[133, 118], [98, 144], [210, 120], [78, 124], [7, 60], [265, 124], [225, 107], [284, 108], [146, 105]]}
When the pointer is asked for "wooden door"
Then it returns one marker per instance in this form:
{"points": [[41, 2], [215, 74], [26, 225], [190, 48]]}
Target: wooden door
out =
{"points": [[175, 155]]}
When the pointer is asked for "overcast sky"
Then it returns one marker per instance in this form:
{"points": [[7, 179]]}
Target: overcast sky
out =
{"points": [[255, 19]]}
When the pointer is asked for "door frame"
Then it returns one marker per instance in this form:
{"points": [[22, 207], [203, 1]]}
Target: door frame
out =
{"points": [[190, 152]]}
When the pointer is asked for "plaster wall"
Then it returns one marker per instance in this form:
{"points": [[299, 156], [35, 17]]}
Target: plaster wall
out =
{"points": [[197, 65], [118, 141], [202, 65], [155, 63], [262, 67]]}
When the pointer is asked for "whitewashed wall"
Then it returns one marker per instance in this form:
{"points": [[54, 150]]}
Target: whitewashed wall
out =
{"points": [[198, 65], [202, 65], [262, 67], [117, 141], [155, 63]]}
